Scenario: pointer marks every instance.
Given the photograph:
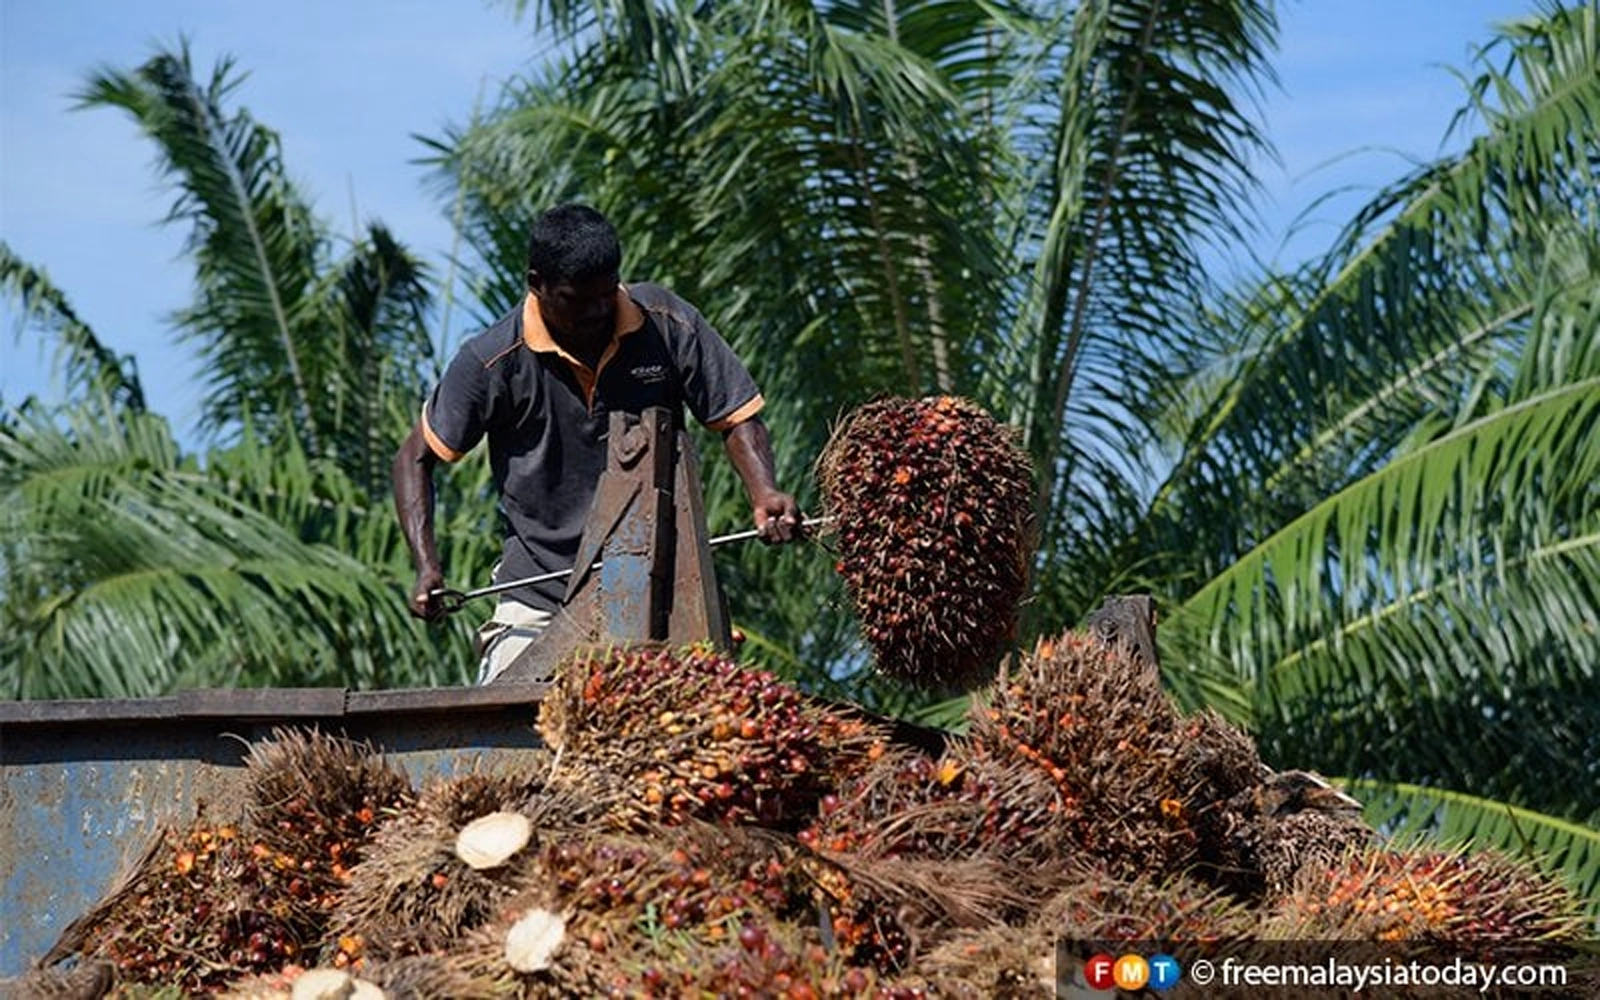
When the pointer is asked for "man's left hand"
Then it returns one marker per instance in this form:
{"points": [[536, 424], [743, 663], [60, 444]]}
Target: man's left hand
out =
{"points": [[777, 518]]}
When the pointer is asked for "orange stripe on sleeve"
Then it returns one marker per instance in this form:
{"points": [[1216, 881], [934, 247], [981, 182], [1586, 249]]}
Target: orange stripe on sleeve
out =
{"points": [[436, 445], [739, 415]]}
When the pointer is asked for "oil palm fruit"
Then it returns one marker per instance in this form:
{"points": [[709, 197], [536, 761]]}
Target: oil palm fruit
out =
{"points": [[1428, 894], [319, 799], [688, 734], [933, 503]]}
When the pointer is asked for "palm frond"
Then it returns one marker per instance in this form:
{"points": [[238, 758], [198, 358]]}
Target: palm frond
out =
{"points": [[1466, 568], [1147, 151], [87, 364], [1397, 480], [254, 242], [375, 365], [129, 572]]}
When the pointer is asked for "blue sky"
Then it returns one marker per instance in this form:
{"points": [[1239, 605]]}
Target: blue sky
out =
{"points": [[1365, 91]]}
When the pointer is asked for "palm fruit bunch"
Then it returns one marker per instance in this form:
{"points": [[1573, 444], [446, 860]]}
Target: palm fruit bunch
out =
{"points": [[680, 734], [997, 962], [1427, 894], [772, 959], [319, 799], [862, 923], [684, 885], [413, 893], [1093, 905], [917, 847], [1221, 764], [883, 912], [204, 906], [933, 503], [1098, 725], [1090, 911], [644, 913], [961, 806], [439, 974]]}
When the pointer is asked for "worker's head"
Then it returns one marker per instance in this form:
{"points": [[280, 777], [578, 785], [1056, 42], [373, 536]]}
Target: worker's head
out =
{"points": [[574, 259]]}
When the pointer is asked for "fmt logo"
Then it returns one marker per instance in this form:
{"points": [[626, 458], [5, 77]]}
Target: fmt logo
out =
{"points": [[1099, 972], [1164, 972], [1131, 972]]}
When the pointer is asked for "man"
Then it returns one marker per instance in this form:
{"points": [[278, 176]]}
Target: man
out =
{"points": [[539, 384]]}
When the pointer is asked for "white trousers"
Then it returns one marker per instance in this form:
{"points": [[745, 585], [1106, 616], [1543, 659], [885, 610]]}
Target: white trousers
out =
{"points": [[514, 627]]}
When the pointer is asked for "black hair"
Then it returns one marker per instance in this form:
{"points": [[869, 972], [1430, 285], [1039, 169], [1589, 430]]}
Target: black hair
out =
{"points": [[572, 242]]}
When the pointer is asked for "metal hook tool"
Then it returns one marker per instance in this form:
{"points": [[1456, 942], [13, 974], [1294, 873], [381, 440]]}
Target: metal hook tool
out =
{"points": [[451, 601]]}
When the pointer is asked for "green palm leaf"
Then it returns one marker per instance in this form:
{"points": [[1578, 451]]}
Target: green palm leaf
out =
{"points": [[87, 364], [255, 246], [377, 355], [130, 572], [1399, 478]]}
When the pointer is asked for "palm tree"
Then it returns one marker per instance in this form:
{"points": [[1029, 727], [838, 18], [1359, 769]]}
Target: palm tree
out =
{"points": [[1388, 455], [1399, 473], [1000, 201], [271, 557]]}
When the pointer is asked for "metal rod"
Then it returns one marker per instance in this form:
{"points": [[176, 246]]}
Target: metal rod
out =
{"points": [[457, 598], [739, 536]]}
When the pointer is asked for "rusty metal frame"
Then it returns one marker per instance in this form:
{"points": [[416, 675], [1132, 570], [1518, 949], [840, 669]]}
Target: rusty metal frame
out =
{"points": [[643, 571], [83, 783]]}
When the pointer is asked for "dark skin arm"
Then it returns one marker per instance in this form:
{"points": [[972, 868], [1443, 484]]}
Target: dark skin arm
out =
{"points": [[777, 516], [413, 504]]}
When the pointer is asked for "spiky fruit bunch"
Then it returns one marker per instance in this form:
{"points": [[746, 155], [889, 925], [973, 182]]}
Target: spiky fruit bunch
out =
{"points": [[1432, 895], [412, 893], [206, 906], [1220, 762], [431, 976], [963, 804], [883, 911], [934, 508], [1094, 905], [916, 847], [689, 734], [613, 881], [319, 799], [1081, 712], [756, 956], [768, 959], [461, 797], [632, 903], [993, 963]]}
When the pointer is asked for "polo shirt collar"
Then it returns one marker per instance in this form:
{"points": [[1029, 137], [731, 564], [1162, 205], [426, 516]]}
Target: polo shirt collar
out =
{"points": [[630, 318]]}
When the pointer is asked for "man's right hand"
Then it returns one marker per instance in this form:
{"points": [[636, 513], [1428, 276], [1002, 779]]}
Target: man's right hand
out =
{"points": [[424, 603]]}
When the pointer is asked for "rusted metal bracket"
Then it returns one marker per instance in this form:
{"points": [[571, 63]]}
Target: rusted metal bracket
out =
{"points": [[643, 571], [1128, 622]]}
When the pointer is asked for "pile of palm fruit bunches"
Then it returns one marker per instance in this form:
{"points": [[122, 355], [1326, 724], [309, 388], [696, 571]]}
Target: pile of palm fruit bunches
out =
{"points": [[695, 828]]}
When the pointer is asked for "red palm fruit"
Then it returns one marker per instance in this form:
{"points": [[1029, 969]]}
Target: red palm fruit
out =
{"points": [[688, 734], [202, 907], [933, 503], [1141, 779], [319, 799], [1429, 894]]}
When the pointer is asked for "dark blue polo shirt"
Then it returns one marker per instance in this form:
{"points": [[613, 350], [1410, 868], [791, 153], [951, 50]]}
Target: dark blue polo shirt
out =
{"points": [[546, 414]]}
